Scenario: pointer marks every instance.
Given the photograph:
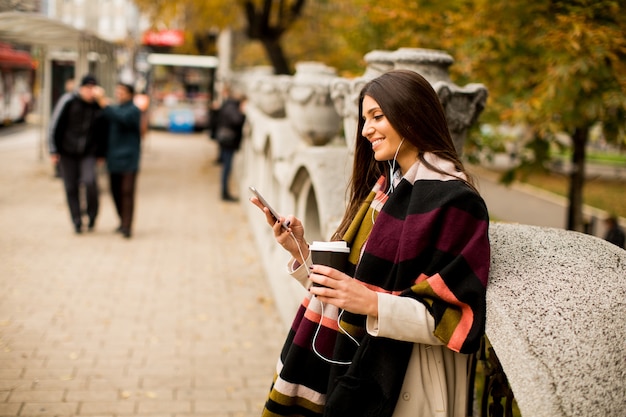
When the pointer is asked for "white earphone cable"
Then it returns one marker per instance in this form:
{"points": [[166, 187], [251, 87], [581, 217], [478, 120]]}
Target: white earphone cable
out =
{"points": [[392, 170], [392, 167], [319, 325]]}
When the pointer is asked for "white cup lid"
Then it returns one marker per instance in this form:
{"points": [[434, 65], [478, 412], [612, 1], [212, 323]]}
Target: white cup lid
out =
{"points": [[335, 246]]}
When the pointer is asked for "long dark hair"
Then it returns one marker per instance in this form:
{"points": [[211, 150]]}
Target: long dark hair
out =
{"points": [[413, 108]]}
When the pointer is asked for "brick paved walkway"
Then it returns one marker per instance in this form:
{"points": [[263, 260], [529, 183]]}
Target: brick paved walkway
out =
{"points": [[177, 321]]}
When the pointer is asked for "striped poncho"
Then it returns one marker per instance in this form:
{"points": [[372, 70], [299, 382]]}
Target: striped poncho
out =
{"points": [[427, 240]]}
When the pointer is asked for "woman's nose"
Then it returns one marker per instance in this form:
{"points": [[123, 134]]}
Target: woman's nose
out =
{"points": [[367, 130]]}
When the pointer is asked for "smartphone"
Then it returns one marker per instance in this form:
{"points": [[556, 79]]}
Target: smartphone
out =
{"points": [[273, 212]]}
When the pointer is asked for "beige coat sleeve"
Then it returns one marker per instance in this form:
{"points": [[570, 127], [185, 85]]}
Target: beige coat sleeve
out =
{"points": [[300, 272], [402, 318]]}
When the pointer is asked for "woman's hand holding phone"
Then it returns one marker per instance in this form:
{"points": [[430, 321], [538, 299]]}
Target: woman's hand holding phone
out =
{"points": [[264, 204], [288, 232]]}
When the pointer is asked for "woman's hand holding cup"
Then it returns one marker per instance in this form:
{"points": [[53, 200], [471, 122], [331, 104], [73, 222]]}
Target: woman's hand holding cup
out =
{"points": [[331, 284]]}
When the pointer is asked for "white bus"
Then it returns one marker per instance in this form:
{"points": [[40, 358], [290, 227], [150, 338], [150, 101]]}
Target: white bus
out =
{"points": [[181, 91]]}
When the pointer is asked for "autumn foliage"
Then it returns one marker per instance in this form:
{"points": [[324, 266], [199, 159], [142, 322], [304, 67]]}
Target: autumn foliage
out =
{"points": [[553, 65]]}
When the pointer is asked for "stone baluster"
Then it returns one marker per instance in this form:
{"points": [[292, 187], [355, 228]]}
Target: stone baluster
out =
{"points": [[309, 107], [345, 96], [429, 63], [267, 92], [462, 106], [378, 62]]}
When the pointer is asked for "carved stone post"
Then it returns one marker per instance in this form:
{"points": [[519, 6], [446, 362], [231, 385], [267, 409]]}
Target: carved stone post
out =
{"points": [[267, 93], [378, 62], [462, 105], [429, 63], [345, 96], [309, 107]]}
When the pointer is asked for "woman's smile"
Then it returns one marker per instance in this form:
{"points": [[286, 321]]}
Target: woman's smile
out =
{"points": [[376, 142]]}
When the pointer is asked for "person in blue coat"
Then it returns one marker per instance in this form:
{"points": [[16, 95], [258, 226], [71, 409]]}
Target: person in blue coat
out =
{"points": [[123, 151]]}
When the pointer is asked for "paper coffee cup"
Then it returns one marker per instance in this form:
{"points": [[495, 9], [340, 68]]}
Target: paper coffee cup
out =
{"points": [[333, 254]]}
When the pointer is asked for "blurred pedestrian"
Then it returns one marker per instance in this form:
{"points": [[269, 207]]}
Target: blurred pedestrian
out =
{"points": [[70, 85], [75, 143], [123, 151], [614, 233], [214, 111], [228, 133]]}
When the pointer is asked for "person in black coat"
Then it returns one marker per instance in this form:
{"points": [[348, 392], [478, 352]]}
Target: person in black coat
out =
{"points": [[614, 233], [229, 132], [75, 143]]}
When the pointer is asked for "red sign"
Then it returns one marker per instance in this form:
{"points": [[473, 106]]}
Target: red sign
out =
{"points": [[10, 57], [171, 37]]}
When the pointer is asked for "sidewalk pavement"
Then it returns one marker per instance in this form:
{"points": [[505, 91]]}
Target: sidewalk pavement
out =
{"points": [[520, 203], [526, 204], [176, 321]]}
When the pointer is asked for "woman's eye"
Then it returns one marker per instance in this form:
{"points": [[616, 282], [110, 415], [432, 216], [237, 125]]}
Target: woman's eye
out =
{"points": [[375, 117]]}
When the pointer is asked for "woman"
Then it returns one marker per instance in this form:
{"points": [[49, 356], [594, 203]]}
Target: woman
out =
{"points": [[390, 336]]}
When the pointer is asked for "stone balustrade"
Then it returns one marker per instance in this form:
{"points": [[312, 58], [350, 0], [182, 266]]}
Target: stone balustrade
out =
{"points": [[556, 317]]}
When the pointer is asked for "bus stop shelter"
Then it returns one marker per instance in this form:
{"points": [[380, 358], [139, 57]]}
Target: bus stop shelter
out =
{"points": [[54, 37]]}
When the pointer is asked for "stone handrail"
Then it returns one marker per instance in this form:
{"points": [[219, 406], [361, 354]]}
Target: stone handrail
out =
{"points": [[556, 316]]}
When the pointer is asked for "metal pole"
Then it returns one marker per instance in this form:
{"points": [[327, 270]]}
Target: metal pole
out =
{"points": [[82, 66], [45, 97]]}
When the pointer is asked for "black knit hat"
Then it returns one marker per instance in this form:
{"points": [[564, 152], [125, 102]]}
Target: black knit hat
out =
{"points": [[129, 87], [88, 80]]}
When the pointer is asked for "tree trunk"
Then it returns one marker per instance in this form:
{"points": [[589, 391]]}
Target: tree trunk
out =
{"points": [[261, 28], [276, 55], [575, 219]]}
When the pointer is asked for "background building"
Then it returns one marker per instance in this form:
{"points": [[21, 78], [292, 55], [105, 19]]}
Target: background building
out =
{"points": [[116, 21], [113, 20]]}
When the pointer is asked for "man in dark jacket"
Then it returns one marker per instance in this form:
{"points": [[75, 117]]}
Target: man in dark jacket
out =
{"points": [[229, 132], [123, 151], [614, 232], [75, 143]]}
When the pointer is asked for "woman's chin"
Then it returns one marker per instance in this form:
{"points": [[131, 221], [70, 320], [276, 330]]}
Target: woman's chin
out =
{"points": [[381, 157]]}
